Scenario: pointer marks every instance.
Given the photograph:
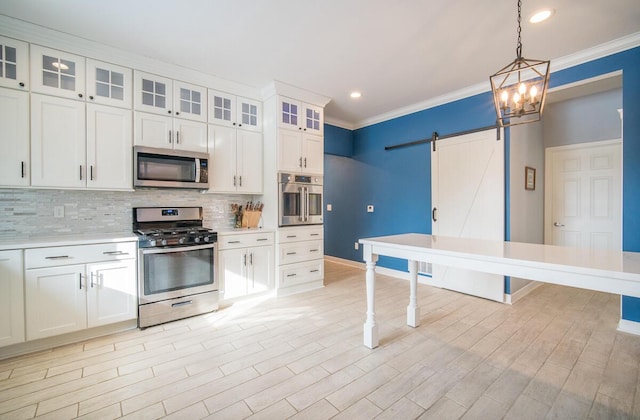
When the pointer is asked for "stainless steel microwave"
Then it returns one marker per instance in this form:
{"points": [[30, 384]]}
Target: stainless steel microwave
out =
{"points": [[168, 168]]}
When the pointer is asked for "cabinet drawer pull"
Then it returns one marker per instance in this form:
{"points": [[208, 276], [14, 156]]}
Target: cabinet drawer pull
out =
{"points": [[291, 253], [314, 234], [291, 275], [186, 302], [262, 239], [313, 250], [57, 257], [233, 242], [292, 236], [314, 271], [115, 253]]}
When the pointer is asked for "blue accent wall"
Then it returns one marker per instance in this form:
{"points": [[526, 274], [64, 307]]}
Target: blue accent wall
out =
{"points": [[398, 182]]}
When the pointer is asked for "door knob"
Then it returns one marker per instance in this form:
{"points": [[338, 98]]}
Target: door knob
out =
{"points": [[556, 224]]}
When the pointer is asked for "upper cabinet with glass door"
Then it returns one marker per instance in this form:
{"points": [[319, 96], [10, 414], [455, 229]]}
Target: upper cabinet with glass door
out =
{"points": [[14, 63], [57, 73], [108, 84], [296, 115], [234, 111], [190, 101]]}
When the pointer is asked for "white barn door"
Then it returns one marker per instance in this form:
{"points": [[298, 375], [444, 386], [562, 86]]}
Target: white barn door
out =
{"points": [[467, 187]]}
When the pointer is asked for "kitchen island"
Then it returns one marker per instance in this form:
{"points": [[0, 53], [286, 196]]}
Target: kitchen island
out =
{"points": [[601, 270]]}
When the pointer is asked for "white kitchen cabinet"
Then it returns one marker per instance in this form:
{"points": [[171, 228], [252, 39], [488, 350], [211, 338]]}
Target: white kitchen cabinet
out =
{"points": [[14, 138], [164, 96], [236, 159], [97, 289], [109, 145], [300, 259], [245, 263], [109, 84], [234, 111], [14, 63], [57, 73], [111, 295], [300, 152], [58, 142], [300, 116], [74, 145], [11, 298], [154, 130]]}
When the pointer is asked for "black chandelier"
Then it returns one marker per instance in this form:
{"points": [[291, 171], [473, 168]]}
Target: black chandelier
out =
{"points": [[519, 89]]}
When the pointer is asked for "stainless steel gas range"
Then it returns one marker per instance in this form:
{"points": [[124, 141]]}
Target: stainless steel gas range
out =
{"points": [[176, 264]]}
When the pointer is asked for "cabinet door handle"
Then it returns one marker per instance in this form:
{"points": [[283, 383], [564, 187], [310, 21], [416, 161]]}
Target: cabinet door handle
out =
{"points": [[177, 137], [91, 283], [22, 168], [80, 281], [234, 180], [433, 214], [91, 172], [57, 257], [241, 180], [244, 260], [300, 162], [305, 162], [251, 259], [80, 172], [170, 135]]}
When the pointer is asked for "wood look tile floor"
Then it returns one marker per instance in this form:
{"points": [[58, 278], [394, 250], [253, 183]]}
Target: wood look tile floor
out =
{"points": [[554, 354]]}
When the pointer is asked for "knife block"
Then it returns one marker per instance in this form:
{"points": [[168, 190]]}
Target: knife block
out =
{"points": [[251, 218]]}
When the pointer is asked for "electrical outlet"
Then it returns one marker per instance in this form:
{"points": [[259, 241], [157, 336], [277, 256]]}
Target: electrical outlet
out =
{"points": [[58, 211], [356, 246], [370, 208]]}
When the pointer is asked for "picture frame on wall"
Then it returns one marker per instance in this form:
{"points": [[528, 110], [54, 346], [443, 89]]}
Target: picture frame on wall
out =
{"points": [[529, 178]]}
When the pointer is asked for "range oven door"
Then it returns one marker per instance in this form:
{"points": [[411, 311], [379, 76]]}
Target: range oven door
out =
{"points": [[300, 204], [172, 272]]}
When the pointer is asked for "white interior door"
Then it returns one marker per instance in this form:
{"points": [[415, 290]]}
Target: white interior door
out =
{"points": [[467, 176], [583, 195]]}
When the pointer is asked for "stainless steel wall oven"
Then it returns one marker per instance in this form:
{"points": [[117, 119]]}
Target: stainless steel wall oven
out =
{"points": [[300, 199]]}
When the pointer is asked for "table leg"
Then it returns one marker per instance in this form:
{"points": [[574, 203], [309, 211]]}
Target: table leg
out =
{"points": [[413, 311], [370, 327]]}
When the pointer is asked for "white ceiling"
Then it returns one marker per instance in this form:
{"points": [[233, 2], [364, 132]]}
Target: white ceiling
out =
{"points": [[397, 53]]}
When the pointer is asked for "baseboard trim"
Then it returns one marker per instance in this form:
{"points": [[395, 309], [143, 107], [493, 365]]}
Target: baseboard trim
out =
{"points": [[519, 294], [343, 261], [402, 275], [631, 327]]}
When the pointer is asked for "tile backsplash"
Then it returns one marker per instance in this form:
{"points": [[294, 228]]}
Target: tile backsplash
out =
{"points": [[30, 212]]}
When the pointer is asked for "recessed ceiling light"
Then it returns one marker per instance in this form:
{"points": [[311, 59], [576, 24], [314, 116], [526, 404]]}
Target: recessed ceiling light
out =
{"points": [[355, 94], [541, 15]]}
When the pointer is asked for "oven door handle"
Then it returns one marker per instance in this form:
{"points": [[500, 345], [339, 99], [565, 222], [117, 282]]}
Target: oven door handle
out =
{"points": [[170, 249], [302, 204]]}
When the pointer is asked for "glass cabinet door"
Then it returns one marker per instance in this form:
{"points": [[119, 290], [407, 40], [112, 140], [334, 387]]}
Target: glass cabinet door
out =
{"points": [[313, 121], [250, 114], [57, 73], [222, 108], [109, 84], [289, 113], [14, 63], [190, 101], [152, 93]]}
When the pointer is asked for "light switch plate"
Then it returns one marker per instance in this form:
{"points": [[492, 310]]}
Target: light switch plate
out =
{"points": [[329, 207]]}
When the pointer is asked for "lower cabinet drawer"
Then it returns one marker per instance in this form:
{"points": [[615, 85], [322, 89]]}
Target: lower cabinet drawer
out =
{"points": [[300, 251], [78, 254], [299, 273], [169, 310]]}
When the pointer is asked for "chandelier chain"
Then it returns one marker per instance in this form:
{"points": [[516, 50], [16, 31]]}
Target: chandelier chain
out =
{"points": [[519, 46]]}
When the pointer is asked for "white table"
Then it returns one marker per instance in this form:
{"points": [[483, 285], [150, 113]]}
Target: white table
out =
{"points": [[602, 270]]}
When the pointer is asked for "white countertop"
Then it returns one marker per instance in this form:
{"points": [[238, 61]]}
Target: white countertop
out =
{"points": [[64, 240], [241, 231]]}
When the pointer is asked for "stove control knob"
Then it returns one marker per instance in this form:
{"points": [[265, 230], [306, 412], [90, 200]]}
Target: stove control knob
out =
{"points": [[206, 239], [196, 239], [163, 242], [182, 240], [152, 242]]}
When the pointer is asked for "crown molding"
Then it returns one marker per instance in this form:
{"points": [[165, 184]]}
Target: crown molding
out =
{"points": [[339, 123], [280, 88], [608, 48]]}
